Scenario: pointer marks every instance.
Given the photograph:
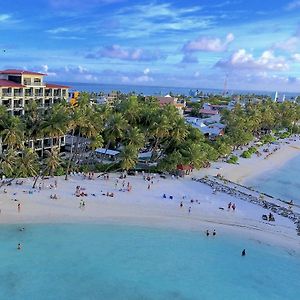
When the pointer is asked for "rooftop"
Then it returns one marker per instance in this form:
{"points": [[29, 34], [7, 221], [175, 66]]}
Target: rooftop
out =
{"points": [[20, 72], [56, 86], [208, 112], [8, 83]]}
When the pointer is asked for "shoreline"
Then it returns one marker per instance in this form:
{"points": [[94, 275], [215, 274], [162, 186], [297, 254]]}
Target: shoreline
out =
{"points": [[255, 166], [144, 207]]}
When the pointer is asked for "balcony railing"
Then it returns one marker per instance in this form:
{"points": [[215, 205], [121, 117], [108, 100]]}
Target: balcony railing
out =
{"points": [[6, 94], [7, 105], [33, 83], [18, 105], [16, 94]]}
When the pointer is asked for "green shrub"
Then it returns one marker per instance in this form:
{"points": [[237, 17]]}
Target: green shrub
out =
{"points": [[246, 154], [60, 171], [268, 138], [233, 159], [252, 150]]}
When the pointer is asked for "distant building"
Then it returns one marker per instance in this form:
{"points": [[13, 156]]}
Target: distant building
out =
{"points": [[211, 130], [169, 100], [208, 112]]}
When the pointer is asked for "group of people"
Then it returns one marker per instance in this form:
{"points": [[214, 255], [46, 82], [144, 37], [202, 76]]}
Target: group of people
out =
{"points": [[231, 205], [213, 233], [80, 192]]}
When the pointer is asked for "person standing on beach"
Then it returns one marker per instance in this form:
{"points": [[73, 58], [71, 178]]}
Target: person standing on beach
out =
{"points": [[233, 206], [19, 207]]}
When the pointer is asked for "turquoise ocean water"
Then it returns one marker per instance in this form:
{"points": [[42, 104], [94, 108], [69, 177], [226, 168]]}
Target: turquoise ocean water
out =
{"points": [[283, 183], [90, 261]]}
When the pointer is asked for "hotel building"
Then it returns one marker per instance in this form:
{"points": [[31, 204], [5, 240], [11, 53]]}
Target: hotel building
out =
{"points": [[19, 88]]}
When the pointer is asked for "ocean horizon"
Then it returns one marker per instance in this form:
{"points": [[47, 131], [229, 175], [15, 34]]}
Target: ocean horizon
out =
{"points": [[160, 90]]}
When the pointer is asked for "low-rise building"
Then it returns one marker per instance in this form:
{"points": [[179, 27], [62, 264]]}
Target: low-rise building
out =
{"points": [[169, 100], [19, 88]]}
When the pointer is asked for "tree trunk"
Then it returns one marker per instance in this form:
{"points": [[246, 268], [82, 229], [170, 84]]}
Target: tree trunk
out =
{"points": [[71, 155]]}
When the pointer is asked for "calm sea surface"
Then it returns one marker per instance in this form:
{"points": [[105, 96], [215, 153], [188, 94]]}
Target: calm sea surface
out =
{"points": [[121, 262], [284, 183], [158, 90]]}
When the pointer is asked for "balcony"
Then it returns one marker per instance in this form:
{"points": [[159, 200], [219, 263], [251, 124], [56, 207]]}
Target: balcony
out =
{"points": [[6, 95], [38, 144], [18, 104], [7, 103], [18, 94]]}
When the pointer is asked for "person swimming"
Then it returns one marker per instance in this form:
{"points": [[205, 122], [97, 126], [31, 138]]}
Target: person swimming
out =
{"points": [[244, 252], [19, 246]]}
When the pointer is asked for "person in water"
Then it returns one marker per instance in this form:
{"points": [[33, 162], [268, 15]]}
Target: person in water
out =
{"points": [[207, 232], [214, 232], [244, 252], [19, 246]]}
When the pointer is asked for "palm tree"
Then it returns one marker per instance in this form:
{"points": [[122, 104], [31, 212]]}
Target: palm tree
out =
{"points": [[135, 138], [56, 123], [8, 162], [129, 157], [52, 161], [13, 133], [27, 162], [114, 129]]}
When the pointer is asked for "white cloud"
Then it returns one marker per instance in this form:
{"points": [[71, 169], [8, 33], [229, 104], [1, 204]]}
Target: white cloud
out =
{"points": [[152, 18], [241, 59], [45, 69], [143, 79], [296, 57], [209, 44], [293, 5], [131, 54], [4, 18], [290, 44]]}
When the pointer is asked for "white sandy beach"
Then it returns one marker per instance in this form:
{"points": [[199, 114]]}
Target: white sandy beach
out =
{"points": [[249, 168], [143, 206]]}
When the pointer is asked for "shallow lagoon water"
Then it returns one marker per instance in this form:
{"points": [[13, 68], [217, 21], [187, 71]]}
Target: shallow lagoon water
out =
{"points": [[283, 183], [90, 261]]}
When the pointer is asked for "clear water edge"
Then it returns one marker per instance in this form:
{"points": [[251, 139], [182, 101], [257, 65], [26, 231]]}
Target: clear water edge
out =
{"points": [[92, 261]]}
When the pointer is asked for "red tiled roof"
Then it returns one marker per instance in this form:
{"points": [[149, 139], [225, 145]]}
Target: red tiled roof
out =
{"points": [[208, 112], [8, 83], [56, 86], [184, 167], [20, 72]]}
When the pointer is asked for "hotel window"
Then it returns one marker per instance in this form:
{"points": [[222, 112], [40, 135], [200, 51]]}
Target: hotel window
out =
{"points": [[37, 81], [27, 81]]}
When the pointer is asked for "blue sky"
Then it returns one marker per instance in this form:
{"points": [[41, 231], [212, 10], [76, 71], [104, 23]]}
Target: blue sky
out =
{"points": [[256, 44]]}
